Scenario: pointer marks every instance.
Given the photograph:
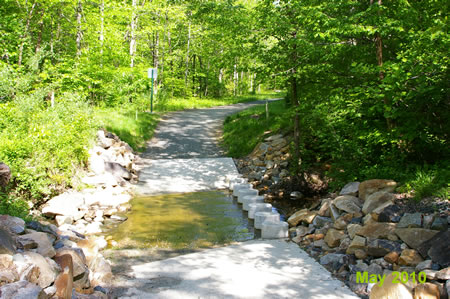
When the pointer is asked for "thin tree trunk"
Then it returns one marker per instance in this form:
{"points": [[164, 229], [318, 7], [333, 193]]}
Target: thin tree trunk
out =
{"points": [[163, 49], [79, 31], [134, 20], [25, 33], [235, 80], [187, 56]]}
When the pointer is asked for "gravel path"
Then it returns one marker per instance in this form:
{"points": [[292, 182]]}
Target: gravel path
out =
{"points": [[191, 133]]}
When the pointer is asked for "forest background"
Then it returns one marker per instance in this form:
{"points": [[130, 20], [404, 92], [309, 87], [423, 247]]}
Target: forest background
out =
{"points": [[367, 82]]}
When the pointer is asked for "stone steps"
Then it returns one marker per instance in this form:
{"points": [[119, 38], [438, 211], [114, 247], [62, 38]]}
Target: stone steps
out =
{"points": [[265, 219]]}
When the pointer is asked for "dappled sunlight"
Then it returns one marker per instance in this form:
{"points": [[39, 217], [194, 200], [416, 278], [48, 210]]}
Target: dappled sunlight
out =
{"points": [[253, 269]]}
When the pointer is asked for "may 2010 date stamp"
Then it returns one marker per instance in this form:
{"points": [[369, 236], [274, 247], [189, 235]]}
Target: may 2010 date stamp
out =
{"points": [[398, 277]]}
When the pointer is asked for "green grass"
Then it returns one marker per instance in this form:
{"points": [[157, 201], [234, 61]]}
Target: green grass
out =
{"points": [[176, 104], [133, 127], [244, 130]]}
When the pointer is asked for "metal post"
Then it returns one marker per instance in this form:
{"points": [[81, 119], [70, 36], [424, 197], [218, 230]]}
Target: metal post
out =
{"points": [[151, 96]]}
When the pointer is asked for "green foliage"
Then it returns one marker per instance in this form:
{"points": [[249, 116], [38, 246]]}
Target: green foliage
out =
{"points": [[44, 145], [13, 206], [244, 130]]}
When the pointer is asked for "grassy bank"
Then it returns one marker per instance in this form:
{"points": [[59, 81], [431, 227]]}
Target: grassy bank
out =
{"points": [[244, 130]]}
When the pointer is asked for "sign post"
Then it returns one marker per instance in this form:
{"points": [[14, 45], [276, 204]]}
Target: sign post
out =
{"points": [[152, 74]]}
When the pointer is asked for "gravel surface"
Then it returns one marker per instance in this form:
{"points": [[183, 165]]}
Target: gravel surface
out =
{"points": [[192, 133]]}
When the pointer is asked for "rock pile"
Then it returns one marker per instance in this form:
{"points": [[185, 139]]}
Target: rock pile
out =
{"points": [[113, 169], [267, 164], [5, 174], [43, 261], [363, 229], [62, 261]]}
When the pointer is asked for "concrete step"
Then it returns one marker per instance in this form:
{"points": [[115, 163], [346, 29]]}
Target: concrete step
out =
{"points": [[274, 230], [260, 217], [258, 207]]}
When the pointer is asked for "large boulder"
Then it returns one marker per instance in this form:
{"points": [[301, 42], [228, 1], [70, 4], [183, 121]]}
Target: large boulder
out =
{"points": [[377, 200], [437, 248], [347, 203], [369, 187], [67, 203], [414, 237], [5, 174]]}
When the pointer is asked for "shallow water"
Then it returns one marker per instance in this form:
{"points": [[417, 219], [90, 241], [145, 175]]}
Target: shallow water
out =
{"points": [[182, 221]]}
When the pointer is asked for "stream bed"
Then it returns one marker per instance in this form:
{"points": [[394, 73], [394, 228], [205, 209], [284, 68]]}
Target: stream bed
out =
{"points": [[182, 221]]}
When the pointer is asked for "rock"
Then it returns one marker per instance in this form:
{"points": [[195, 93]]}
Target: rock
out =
{"points": [[443, 274], [345, 243], [350, 189], [391, 290], [106, 179], [409, 257], [104, 141], [447, 286], [414, 237], [342, 222], [424, 265], [101, 271], [377, 230], [26, 262], [332, 258], [439, 223], [371, 186], [5, 174], [96, 162], [357, 287], [12, 224], [360, 254], [64, 281], [392, 257], [381, 247], [353, 229], [7, 244], [347, 203], [357, 243], [44, 242], [334, 212], [22, 290], [320, 221], [426, 291], [78, 260], [334, 237], [64, 204], [391, 213], [302, 216], [375, 269], [410, 221], [437, 248], [63, 219], [376, 200], [117, 170], [301, 231], [49, 229], [324, 209]]}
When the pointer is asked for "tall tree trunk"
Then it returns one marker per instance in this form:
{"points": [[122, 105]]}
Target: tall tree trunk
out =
{"points": [[102, 30], [235, 79], [379, 54], [25, 32], [79, 31], [163, 48], [41, 29], [187, 55], [133, 24]]}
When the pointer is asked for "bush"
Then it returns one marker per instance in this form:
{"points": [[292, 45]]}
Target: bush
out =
{"points": [[44, 145]]}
